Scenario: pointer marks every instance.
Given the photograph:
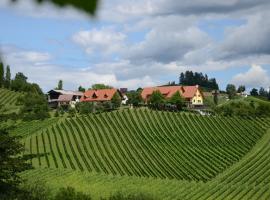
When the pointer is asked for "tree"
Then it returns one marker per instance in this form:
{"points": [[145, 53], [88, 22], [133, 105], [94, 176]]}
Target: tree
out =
{"points": [[7, 77], [19, 83], [215, 97], [99, 86], [81, 89], [156, 99], [2, 78], [85, 107], [241, 89], [11, 163], [263, 92], [231, 90], [59, 85], [254, 92], [34, 107], [134, 98], [196, 78], [116, 100], [177, 100]]}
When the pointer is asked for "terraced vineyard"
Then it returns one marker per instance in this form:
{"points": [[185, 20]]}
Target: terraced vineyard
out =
{"points": [[170, 155], [8, 100]]}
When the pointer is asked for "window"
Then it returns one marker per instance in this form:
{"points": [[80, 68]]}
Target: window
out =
{"points": [[199, 101]]}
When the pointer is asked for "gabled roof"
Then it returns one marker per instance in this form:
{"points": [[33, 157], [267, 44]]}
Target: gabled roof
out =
{"points": [[65, 97], [67, 92], [168, 91], [98, 95]]}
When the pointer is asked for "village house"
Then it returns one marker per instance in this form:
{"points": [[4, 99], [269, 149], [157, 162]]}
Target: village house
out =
{"points": [[100, 95], [63, 97], [192, 94]]}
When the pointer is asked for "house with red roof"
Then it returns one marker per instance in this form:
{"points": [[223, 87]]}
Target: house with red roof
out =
{"points": [[192, 94], [100, 95]]}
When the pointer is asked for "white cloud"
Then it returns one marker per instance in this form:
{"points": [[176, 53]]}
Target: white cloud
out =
{"points": [[104, 40], [36, 66], [256, 76]]}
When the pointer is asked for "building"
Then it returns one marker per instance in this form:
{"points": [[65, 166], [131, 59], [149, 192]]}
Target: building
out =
{"points": [[101, 95], [63, 97], [192, 94]]}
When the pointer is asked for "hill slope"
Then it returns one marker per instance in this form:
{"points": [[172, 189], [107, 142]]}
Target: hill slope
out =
{"points": [[146, 143], [8, 100]]}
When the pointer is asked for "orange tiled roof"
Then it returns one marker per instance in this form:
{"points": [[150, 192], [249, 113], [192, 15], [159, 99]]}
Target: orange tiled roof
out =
{"points": [[98, 95], [186, 91]]}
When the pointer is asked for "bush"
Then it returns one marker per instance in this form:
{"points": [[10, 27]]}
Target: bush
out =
{"points": [[69, 193], [120, 196], [34, 107]]}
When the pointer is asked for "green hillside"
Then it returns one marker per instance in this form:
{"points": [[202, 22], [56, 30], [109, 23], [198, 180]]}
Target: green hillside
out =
{"points": [[8, 100], [170, 154]]}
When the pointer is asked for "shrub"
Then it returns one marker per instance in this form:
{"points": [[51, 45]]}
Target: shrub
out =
{"points": [[69, 193]]}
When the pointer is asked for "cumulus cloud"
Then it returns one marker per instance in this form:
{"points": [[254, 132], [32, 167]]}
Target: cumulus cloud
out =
{"points": [[249, 39], [256, 76], [104, 40], [37, 67]]}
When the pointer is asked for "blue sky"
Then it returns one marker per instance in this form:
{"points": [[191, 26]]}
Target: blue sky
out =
{"points": [[137, 43]]}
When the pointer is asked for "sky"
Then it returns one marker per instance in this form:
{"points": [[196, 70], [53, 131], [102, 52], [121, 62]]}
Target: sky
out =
{"points": [[137, 43]]}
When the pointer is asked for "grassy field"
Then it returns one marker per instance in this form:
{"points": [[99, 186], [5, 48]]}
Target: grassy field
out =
{"points": [[169, 155]]}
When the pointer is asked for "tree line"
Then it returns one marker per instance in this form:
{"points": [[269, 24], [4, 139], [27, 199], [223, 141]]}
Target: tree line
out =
{"points": [[196, 78]]}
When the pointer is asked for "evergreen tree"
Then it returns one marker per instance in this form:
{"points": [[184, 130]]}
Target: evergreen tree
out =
{"points": [[60, 85], [81, 89], [2, 79], [241, 89], [254, 92], [8, 78]]}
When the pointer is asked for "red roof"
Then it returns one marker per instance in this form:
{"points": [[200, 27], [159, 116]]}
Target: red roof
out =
{"points": [[186, 91], [98, 95]]}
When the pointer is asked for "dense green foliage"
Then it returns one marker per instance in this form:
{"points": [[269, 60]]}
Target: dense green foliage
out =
{"points": [[81, 89], [116, 100], [99, 86], [195, 78], [34, 107], [10, 165], [177, 100], [156, 99], [69, 193], [134, 98], [244, 108], [231, 91]]}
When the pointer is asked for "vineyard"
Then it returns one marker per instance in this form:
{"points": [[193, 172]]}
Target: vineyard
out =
{"points": [[8, 100], [171, 154]]}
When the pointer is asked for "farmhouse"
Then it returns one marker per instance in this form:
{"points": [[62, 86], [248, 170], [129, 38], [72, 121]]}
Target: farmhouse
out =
{"points": [[63, 97], [100, 95], [192, 94]]}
